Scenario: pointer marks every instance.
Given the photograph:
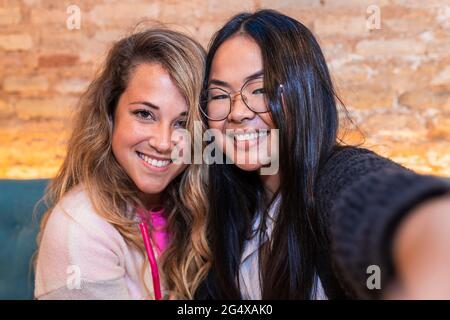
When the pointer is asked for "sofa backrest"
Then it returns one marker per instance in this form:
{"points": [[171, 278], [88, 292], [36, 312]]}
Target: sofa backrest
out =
{"points": [[18, 231]]}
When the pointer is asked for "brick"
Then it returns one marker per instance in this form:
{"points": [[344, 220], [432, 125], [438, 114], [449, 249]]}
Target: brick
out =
{"points": [[351, 73], [394, 126], [18, 60], [45, 108], [288, 4], [443, 16], [411, 155], [408, 20], [110, 35], [10, 16], [221, 9], [419, 3], [54, 17], [57, 60], [74, 85], [25, 84], [425, 99], [348, 26], [11, 42], [354, 3], [47, 138], [123, 14], [367, 98], [6, 110], [203, 32], [184, 12], [380, 49], [438, 157], [442, 78], [63, 42], [94, 52], [440, 127]]}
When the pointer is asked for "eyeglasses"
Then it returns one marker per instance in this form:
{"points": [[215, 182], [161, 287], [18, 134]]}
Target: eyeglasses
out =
{"points": [[219, 101]]}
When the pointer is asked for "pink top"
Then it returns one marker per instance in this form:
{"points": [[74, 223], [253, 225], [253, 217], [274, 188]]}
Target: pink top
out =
{"points": [[157, 222]]}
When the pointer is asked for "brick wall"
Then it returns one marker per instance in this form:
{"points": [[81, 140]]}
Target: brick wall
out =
{"points": [[390, 60]]}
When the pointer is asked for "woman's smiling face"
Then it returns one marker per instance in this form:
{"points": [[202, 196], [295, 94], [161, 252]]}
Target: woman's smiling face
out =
{"points": [[237, 63], [148, 112]]}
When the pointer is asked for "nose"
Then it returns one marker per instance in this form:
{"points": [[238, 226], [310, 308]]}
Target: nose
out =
{"points": [[161, 138], [239, 110]]}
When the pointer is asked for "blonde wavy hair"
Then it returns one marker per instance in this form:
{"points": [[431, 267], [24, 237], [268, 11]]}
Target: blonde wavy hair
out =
{"points": [[90, 160]]}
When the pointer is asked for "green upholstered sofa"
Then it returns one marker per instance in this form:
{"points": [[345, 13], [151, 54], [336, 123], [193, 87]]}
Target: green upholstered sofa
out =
{"points": [[18, 231]]}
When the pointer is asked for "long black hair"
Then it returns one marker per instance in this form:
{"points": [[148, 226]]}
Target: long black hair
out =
{"points": [[307, 119]]}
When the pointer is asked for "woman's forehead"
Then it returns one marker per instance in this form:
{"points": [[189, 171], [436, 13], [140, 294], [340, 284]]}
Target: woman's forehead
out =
{"points": [[235, 60]]}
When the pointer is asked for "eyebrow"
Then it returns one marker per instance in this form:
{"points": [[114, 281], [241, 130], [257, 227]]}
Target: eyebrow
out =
{"points": [[152, 106], [226, 84], [146, 103]]}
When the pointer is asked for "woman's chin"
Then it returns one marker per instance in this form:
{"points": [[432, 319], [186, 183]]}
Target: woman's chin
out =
{"points": [[249, 167], [151, 188]]}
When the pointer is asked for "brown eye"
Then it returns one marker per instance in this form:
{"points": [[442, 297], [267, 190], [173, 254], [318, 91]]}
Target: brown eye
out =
{"points": [[216, 94], [180, 124], [144, 114], [219, 97], [259, 91]]}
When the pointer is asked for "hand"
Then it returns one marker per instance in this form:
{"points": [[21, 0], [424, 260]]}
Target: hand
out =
{"points": [[421, 252]]}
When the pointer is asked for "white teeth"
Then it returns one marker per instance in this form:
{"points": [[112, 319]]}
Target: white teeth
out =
{"points": [[154, 162], [249, 136]]}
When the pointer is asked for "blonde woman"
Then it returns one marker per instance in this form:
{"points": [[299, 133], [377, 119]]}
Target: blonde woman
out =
{"points": [[119, 201]]}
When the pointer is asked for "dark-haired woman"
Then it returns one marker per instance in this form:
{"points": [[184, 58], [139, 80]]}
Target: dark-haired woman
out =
{"points": [[331, 216]]}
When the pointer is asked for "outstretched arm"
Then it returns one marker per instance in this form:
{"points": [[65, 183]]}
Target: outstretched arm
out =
{"points": [[366, 200]]}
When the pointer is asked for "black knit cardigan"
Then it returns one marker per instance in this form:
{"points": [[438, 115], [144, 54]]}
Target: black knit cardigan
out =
{"points": [[362, 197]]}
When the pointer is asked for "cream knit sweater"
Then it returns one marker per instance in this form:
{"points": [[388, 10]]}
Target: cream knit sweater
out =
{"points": [[82, 256]]}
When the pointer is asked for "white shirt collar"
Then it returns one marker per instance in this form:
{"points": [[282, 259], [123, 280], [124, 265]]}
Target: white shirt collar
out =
{"points": [[257, 241]]}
